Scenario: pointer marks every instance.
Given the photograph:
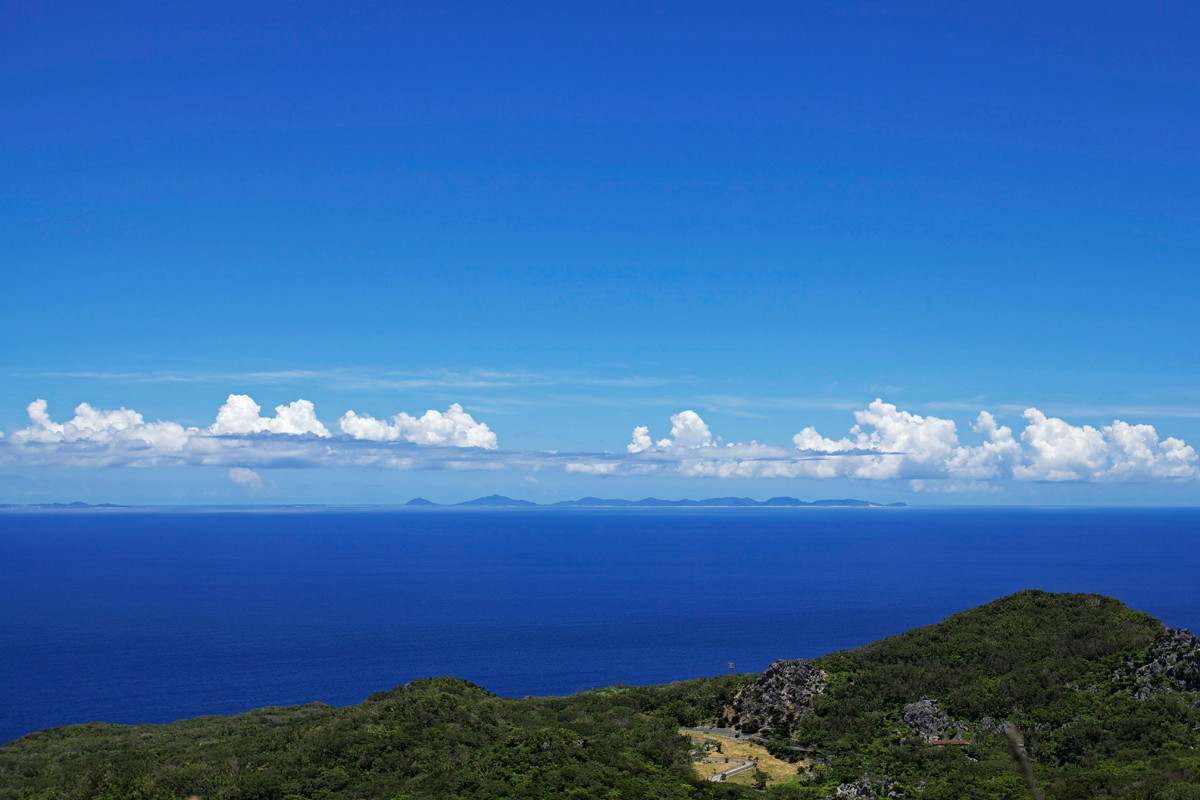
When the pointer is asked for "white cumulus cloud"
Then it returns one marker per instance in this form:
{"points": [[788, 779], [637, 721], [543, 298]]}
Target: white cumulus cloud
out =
{"points": [[688, 430], [240, 415], [121, 426], [1059, 451], [641, 440], [884, 443], [1050, 449], [888, 443], [995, 458], [691, 449], [451, 428], [242, 438]]}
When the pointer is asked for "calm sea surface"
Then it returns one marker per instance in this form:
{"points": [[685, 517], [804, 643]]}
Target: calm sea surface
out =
{"points": [[151, 616]]}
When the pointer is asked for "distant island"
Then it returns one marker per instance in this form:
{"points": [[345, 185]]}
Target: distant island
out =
{"points": [[500, 501], [70, 506]]}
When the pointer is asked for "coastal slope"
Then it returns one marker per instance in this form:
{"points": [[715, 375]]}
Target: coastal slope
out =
{"points": [[1105, 698]]}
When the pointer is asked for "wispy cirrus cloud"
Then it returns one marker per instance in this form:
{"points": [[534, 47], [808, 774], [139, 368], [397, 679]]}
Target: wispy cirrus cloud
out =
{"points": [[369, 379], [1076, 410], [247, 478]]}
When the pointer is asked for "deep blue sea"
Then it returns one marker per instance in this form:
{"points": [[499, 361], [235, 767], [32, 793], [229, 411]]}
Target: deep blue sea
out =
{"points": [[152, 616]]}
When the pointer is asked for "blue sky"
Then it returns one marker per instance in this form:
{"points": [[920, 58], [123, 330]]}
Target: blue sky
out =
{"points": [[571, 221]]}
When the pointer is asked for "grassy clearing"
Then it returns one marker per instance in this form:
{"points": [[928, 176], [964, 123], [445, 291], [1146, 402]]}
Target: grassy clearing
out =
{"points": [[706, 769], [777, 771]]}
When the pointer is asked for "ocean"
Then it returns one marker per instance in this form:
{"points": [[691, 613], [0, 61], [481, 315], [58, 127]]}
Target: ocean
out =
{"points": [[136, 616]]}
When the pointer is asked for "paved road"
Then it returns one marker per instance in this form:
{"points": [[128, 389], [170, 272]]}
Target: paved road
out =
{"points": [[740, 766]]}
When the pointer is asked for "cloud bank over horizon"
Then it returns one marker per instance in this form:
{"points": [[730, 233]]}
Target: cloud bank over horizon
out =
{"points": [[241, 437], [885, 444]]}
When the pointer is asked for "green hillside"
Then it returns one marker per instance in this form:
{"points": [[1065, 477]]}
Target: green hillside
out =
{"points": [[1060, 667], [1104, 695]]}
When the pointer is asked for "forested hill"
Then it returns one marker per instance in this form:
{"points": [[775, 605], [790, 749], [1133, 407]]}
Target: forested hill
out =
{"points": [[1105, 696]]}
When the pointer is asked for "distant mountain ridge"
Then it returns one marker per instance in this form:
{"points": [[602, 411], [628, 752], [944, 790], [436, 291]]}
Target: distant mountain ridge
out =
{"points": [[497, 501], [76, 504], [501, 501]]}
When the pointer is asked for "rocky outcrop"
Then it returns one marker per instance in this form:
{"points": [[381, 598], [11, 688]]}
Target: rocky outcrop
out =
{"points": [[778, 697], [864, 788], [925, 718], [1171, 664]]}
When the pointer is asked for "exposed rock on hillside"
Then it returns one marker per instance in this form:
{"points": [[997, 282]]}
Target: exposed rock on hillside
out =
{"points": [[1171, 664], [779, 696], [925, 718], [863, 788]]}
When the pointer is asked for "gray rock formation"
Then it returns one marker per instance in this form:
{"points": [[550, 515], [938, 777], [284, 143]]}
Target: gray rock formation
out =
{"points": [[924, 717], [864, 788], [852, 791], [1171, 664], [779, 696]]}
